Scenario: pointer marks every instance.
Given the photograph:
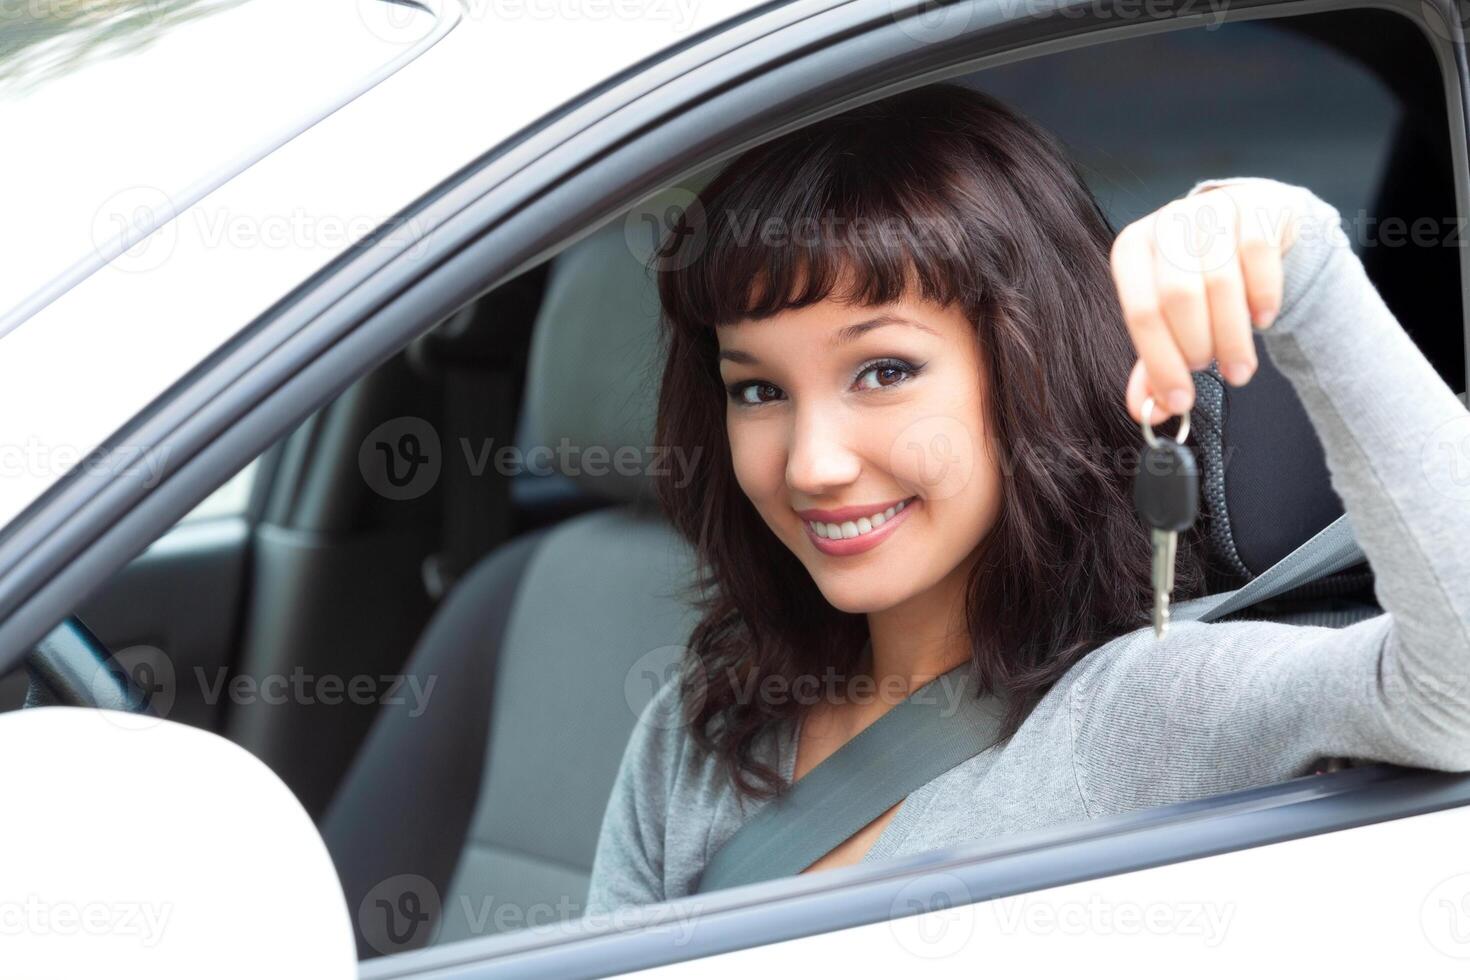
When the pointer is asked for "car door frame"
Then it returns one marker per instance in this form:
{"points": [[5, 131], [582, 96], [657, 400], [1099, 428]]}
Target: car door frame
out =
{"points": [[723, 92]]}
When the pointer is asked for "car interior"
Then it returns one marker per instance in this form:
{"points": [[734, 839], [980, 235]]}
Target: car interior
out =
{"points": [[436, 608]]}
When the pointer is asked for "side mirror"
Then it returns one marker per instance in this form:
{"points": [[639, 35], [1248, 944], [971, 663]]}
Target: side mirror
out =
{"points": [[139, 847]]}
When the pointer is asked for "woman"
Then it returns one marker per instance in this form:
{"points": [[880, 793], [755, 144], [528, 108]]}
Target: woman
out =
{"points": [[915, 312]]}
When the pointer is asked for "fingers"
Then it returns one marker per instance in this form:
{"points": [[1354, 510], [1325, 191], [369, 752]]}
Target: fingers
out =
{"points": [[1192, 279], [1261, 250], [1230, 321], [1137, 392], [1133, 274]]}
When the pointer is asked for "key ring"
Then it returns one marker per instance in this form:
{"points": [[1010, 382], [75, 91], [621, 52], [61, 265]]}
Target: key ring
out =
{"points": [[1148, 430]]}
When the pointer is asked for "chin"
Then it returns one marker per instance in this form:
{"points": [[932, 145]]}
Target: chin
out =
{"points": [[861, 597]]}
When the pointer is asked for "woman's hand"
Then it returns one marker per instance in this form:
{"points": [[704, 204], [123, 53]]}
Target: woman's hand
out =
{"points": [[1193, 277]]}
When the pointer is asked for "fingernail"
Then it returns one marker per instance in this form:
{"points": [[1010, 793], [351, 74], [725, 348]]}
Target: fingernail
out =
{"points": [[1264, 318], [1239, 372], [1179, 401]]}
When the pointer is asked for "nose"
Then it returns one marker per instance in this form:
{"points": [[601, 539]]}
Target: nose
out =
{"points": [[820, 457]]}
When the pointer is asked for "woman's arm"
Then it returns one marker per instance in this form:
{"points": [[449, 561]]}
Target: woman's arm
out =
{"points": [[1215, 707]]}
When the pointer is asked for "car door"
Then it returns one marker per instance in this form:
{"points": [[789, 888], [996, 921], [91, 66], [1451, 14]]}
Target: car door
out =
{"points": [[771, 70]]}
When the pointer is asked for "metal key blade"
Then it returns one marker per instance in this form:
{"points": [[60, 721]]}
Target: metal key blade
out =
{"points": [[1164, 543]]}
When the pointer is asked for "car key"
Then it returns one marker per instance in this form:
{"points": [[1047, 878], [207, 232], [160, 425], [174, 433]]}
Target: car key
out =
{"points": [[1166, 496]]}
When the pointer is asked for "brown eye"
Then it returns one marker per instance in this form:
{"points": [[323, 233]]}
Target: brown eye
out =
{"points": [[885, 375], [754, 392]]}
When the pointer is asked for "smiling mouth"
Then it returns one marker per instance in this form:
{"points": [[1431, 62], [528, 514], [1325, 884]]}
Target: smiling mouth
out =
{"points": [[846, 530], [840, 539]]}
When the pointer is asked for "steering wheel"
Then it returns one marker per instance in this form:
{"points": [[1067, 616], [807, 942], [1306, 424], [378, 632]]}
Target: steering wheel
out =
{"points": [[70, 666]]}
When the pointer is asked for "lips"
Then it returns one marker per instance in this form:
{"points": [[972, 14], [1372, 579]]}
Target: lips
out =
{"points": [[852, 530]]}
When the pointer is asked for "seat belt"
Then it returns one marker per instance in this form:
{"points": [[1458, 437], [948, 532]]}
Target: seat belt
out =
{"points": [[479, 412], [1329, 550], [934, 729]]}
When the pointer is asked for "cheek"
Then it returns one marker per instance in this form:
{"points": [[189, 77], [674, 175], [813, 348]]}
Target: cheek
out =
{"points": [[936, 446], [757, 458]]}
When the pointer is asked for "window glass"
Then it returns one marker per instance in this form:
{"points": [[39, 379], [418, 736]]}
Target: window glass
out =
{"points": [[113, 112]]}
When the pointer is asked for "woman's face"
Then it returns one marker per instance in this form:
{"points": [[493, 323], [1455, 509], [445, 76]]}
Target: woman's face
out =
{"points": [[859, 434]]}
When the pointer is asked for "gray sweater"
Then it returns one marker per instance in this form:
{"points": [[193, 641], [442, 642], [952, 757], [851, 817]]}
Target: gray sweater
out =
{"points": [[1212, 707]]}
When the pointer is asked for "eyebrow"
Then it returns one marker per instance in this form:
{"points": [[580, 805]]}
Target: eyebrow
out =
{"points": [[846, 335]]}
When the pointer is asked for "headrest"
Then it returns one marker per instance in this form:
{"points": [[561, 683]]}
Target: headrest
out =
{"points": [[595, 361], [1263, 472]]}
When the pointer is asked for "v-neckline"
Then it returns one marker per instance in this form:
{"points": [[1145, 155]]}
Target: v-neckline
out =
{"points": [[897, 825]]}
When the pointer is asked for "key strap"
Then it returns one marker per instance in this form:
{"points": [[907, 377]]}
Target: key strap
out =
{"points": [[937, 727]]}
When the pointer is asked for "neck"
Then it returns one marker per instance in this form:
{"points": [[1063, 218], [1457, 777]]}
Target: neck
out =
{"points": [[922, 637]]}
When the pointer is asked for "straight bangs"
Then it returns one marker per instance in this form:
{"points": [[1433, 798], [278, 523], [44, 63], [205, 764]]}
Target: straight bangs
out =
{"points": [[814, 229]]}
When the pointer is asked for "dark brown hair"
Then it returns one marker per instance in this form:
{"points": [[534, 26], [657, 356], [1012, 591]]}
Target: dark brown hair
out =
{"points": [[979, 207]]}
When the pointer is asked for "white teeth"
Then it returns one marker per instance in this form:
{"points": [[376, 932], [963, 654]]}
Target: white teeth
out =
{"points": [[851, 529]]}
